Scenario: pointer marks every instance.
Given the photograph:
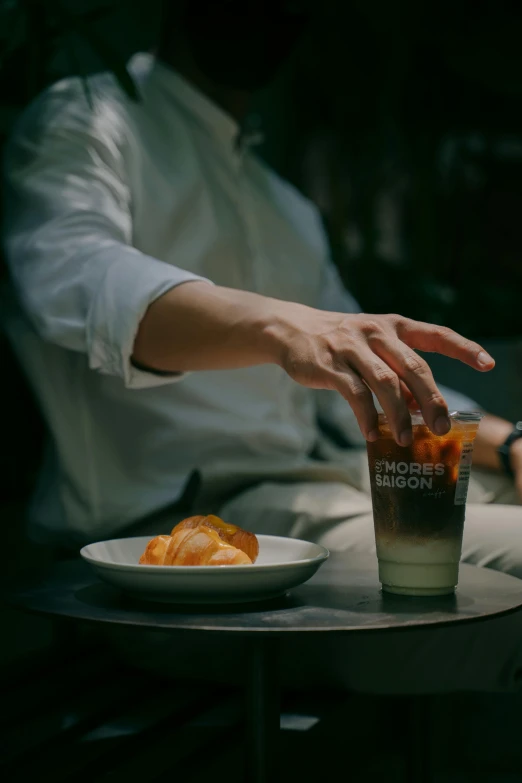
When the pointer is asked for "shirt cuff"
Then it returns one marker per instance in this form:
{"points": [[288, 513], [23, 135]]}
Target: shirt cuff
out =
{"points": [[130, 285]]}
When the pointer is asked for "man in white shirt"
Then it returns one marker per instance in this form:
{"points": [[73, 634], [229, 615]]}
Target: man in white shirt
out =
{"points": [[146, 241], [109, 210]]}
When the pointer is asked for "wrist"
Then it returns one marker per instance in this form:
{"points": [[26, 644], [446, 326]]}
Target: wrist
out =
{"points": [[510, 451], [277, 329], [516, 454], [262, 323]]}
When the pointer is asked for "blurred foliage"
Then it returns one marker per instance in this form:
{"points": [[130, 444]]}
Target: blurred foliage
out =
{"points": [[401, 120]]}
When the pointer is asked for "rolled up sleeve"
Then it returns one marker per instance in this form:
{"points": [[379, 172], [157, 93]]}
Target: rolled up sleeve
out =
{"points": [[68, 238], [130, 285]]}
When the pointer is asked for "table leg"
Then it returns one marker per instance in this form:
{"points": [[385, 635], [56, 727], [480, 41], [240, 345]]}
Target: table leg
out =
{"points": [[262, 710], [419, 757]]}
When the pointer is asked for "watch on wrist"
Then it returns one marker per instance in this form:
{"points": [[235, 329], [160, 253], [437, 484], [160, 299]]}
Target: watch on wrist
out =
{"points": [[504, 451]]}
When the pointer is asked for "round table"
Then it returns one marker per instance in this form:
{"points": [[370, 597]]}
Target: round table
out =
{"points": [[343, 597]]}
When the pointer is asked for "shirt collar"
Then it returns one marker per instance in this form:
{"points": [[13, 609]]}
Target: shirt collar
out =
{"points": [[216, 121]]}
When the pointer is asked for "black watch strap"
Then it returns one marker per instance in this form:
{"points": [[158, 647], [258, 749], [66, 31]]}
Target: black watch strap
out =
{"points": [[504, 451]]}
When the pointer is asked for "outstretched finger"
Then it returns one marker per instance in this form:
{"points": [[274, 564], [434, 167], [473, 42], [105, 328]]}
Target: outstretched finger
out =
{"points": [[440, 339]]}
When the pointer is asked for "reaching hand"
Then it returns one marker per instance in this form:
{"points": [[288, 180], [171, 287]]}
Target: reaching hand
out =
{"points": [[226, 329], [360, 354]]}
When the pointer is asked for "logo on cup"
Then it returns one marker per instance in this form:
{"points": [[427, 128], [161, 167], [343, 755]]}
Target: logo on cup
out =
{"points": [[413, 475]]}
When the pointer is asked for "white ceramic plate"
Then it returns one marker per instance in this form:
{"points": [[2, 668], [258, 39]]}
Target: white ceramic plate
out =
{"points": [[282, 563]]}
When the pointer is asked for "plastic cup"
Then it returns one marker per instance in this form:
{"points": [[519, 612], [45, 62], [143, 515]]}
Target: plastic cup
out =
{"points": [[419, 503]]}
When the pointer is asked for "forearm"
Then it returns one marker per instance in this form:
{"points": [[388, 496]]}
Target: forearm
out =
{"points": [[197, 326]]}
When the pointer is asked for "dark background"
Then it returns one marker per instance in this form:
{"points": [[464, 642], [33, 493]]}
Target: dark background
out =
{"points": [[402, 120], [404, 123]]}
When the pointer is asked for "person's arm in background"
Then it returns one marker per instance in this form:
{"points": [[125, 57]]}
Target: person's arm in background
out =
{"points": [[68, 236], [492, 432]]}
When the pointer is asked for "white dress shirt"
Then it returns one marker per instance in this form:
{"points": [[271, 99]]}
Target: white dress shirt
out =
{"points": [[108, 208]]}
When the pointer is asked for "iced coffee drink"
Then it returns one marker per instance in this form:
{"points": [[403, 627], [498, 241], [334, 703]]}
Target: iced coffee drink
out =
{"points": [[419, 502]]}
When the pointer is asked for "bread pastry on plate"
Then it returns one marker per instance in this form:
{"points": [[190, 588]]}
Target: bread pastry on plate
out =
{"points": [[202, 540]]}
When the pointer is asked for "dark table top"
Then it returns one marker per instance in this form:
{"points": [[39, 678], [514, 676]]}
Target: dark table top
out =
{"points": [[343, 596]]}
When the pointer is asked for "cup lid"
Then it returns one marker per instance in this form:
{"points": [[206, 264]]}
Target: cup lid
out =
{"points": [[464, 416]]}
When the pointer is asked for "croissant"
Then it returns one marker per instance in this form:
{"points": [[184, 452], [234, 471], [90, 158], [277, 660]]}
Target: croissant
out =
{"points": [[231, 534], [200, 545]]}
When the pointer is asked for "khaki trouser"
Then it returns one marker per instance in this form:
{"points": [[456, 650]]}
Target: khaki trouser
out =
{"points": [[475, 657]]}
